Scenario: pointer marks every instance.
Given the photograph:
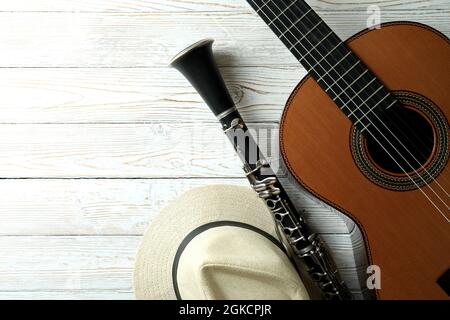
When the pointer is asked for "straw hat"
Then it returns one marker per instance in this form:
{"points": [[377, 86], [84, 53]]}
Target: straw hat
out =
{"points": [[215, 243]]}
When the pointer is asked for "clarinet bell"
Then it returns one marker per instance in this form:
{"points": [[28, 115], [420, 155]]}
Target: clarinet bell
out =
{"points": [[197, 64]]}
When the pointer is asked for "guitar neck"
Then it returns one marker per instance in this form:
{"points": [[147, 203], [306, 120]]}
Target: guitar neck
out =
{"points": [[357, 92]]}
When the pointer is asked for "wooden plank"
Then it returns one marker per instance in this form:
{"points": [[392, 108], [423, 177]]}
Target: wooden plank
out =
{"points": [[150, 40], [124, 150], [66, 263], [116, 151], [112, 207], [204, 5], [100, 266], [47, 264], [74, 95], [71, 294], [86, 295]]}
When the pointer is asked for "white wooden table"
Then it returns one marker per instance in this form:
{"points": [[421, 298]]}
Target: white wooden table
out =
{"points": [[97, 134]]}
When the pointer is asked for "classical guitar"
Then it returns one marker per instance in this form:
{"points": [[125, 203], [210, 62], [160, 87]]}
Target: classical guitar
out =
{"points": [[367, 132]]}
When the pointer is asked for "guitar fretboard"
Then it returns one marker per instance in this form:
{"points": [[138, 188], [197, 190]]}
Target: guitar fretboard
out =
{"points": [[345, 78]]}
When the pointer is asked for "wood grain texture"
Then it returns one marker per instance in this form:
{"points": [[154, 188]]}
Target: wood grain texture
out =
{"points": [[34, 39], [71, 294], [115, 207], [116, 151], [202, 5], [416, 220], [130, 95], [91, 78], [87, 263]]}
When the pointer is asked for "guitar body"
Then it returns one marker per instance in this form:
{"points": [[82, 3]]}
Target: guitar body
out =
{"points": [[404, 233]]}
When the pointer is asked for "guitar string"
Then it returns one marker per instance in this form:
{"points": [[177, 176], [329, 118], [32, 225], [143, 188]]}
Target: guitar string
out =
{"points": [[375, 128], [364, 102], [338, 48], [281, 12], [294, 47], [371, 110], [364, 115]]}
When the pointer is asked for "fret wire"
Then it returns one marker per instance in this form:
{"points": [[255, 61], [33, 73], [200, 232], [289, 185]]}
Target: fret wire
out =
{"points": [[347, 72], [266, 17], [287, 40], [335, 65], [372, 90], [354, 81], [368, 91], [365, 127], [391, 105], [280, 14], [367, 88], [364, 107], [373, 85], [329, 52], [262, 7], [338, 65], [364, 116], [343, 64], [357, 95], [378, 97], [304, 37], [361, 109], [314, 48], [298, 27], [368, 84], [310, 40], [376, 105], [296, 22], [370, 109], [316, 23]]}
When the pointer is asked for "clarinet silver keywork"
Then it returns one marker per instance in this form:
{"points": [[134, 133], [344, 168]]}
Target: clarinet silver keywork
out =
{"points": [[198, 65]]}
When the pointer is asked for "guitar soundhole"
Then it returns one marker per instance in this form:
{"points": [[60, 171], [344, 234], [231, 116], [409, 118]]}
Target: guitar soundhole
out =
{"points": [[419, 128], [414, 139]]}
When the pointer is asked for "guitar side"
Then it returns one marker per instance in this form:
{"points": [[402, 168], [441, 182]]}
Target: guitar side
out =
{"points": [[404, 234]]}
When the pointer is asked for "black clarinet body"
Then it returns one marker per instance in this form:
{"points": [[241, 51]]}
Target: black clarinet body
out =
{"points": [[197, 64]]}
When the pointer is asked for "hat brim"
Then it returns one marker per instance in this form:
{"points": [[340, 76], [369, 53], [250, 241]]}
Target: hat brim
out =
{"points": [[200, 206]]}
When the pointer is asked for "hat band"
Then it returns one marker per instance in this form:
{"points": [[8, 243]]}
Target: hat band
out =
{"points": [[204, 228]]}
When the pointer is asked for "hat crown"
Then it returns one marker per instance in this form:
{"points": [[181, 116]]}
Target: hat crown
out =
{"points": [[231, 262]]}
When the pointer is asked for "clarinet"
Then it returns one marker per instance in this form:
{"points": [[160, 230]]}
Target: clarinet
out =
{"points": [[197, 64]]}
